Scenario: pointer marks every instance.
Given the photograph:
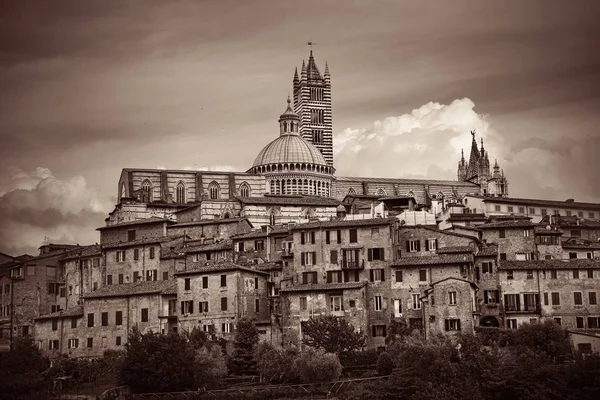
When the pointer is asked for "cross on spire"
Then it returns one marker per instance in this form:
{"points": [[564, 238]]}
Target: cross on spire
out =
{"points": [[311, 44]]}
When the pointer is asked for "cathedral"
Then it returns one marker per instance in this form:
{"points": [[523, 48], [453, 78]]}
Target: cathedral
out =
{"points": [[293, 178]]}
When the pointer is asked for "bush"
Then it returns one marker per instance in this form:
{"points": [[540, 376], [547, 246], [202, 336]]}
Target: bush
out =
{"points": [[317, 366], [359, 358], [385, 365], [246, 338], [332, 334], [274, 365], [209, 366]]}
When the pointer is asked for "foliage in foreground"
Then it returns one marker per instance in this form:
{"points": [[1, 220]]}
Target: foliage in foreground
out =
{"points": [[332, 334], [246, 338]]}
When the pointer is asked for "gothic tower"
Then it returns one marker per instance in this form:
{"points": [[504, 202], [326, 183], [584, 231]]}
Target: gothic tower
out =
{"points": [[312, 102]]}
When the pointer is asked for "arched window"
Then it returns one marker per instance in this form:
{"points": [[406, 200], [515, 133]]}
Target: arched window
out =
{"points": [[244, 190], [272, 218], [214, 191], [147, 188], [411, 194], [180, 193], [351, 192]]}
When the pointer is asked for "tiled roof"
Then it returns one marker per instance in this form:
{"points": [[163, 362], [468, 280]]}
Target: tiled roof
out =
{"points": [[346, 223], [446, 232], [433, 260], [137, 242], [215, 221], [85, 251], [76, 311], [455, 249], [466, 217], [541, 230], [473, 285], [398, 197], [220, 267], [467, 228], [406, 181], [320, 287], [301, 200], [151, 220], [507, 224], [133, 289], [489, 250], [223, 245], [269, 266], [575, 243], [580, 263], [538, 202], [571, 221]]}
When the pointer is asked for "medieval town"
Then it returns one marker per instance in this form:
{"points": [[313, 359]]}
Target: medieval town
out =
{"points": [[288, 242]]}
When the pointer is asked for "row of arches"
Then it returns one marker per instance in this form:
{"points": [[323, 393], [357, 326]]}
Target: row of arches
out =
{"points": [[315, 187], [263, 169], [380, 192], [180, 192]]}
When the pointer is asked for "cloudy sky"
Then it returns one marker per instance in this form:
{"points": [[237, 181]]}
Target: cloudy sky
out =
{"points": [[88, 88]]}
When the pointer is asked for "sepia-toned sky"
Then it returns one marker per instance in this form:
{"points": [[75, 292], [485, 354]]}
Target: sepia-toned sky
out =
{"points": [[90, 87]]}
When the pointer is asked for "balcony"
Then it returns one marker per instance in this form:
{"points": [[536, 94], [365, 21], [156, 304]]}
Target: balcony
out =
{"points": [[526, 308], [353, 264]]}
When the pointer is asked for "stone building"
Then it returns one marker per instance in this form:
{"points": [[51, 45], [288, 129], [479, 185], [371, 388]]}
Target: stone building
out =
{"points": [[513, 235]]}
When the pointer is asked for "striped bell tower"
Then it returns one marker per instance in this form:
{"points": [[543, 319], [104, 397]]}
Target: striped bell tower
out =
{"points": [[312, 102]]}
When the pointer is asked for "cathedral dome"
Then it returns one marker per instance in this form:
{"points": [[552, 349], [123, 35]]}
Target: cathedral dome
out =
{"points": [[289, 148]]}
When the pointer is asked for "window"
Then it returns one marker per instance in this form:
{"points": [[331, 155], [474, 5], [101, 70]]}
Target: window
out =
{"points": [[531, 210], [593, 322], [592, 214], [223, 280], [334, 276], [431, 244], [105, 319], [259, 245], [501, 233], [579, 322], [575, 274], [54, 324], [352, 303], [203, 307], [120, 255], [525, 232], [496, 208], [136, 254], [452, 324], [592, 298], [584, 348], [308, 257], [546, 301], [553, 274], [90, 320], [205, 282], [336, 303], [377, 275], [180, 193], [398, 276], [572, 255], [558, 320], [413, 246], [452, 298], [187, 284], [187, 307], [73, 343], [490, 296], [416, 301], [503, 256], [152, 255], [379, 330], [576, 233], [555, 298], [544, 212], [529, 274], [511, 323], [556, 212], [509, 274], [244, 190], [317, 136], [53, 344], [90, 342], [223, 303], [375, 254], [118, 341], [350, 258], [151, 275], [226, 327], [109, 279], [577, 298], [353, 236], [131, 235], [144, 315], [165, 275], [73, 323], [303, 304], [256, 283], [378, 303], [486, 267], [510, 209], [333, 257], [317, 116], [119, 318], [512, 302], [213, 190], [136, 276], [521, 210], [309, 277], [580, 214]]}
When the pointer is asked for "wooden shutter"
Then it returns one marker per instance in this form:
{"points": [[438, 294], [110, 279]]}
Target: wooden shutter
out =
{"points": [[373, 330], [333, 257], [447, 325], [382, 254], [418, 245], [314, 258], [371, 275], [302, 238], [327, 238], [436, 244], [191, 307], [182, 309], [382, 275], [398, 275], [329, 273], [426, 244], [302, 258], [339, 236], [304, 278], [312, 237], [370, 255], [408, 245], [458, 324]]}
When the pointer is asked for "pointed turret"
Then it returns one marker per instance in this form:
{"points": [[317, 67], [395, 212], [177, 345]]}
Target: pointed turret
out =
{"points": [[289, 121], [312, 71], [473, 167], [462, 166], [303, 71], [296, 79], [327, 74]]}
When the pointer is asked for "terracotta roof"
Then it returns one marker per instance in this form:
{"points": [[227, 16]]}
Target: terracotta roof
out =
{"points": [[220, 267], [138, 242], [446, 232], [574, 243], [507, 224], [85, 251], [320, 287], [539, 202], [290, 200], [76, 311], [133, 289], [151, 220], [572, 221], [346, 223], [433, 260], [407, 181], [269, 266], [473, 285], [541, 230], [581, 263], [455, 249], [466, 217], [467, 228], [223, 245], [215, 221], [487, 251]]}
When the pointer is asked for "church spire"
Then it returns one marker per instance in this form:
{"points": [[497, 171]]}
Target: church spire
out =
{"points": [[473, 168], [296, 79]]}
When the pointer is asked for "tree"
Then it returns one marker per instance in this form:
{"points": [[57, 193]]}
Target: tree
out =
{"points": [[332, 334], [385, 365], [275, 365], [548, 338], [398, 329], [246, 338], [317, 366], [209, 366]]}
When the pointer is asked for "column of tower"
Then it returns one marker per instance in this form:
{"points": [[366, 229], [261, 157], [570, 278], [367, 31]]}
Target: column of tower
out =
{"points": [[312, 93]]}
